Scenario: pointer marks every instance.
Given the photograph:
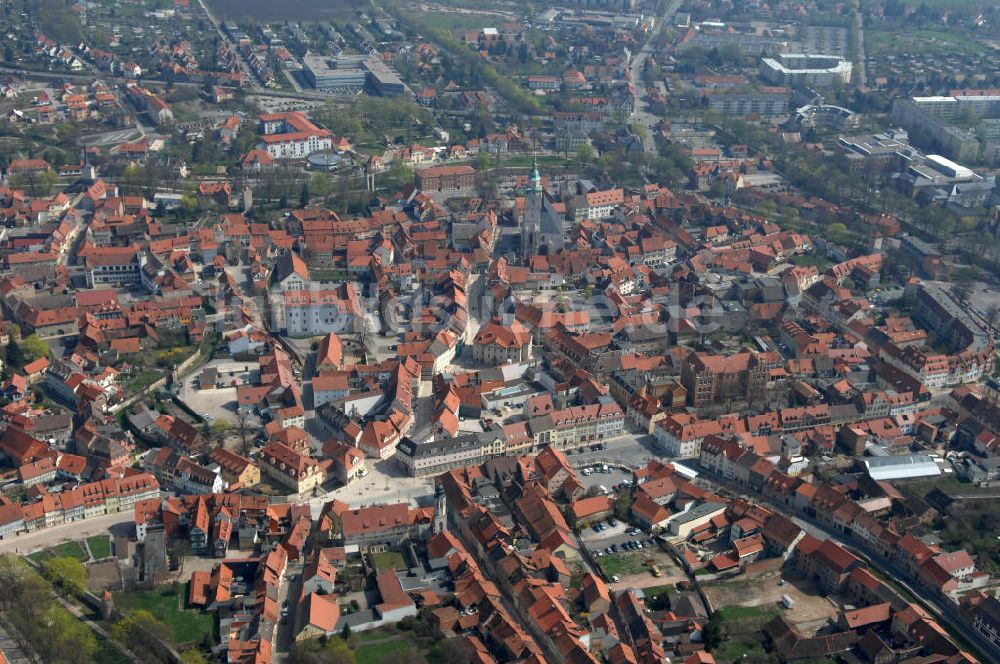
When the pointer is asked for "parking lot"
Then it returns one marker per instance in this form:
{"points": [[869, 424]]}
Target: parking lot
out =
{"points": [[629, 554], [218, 402], [620, 538], [630, 449], [609, 479]]}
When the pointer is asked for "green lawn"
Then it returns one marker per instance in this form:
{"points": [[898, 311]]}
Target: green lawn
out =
{"points": [[932, 42], [451, 21], [620, 564], [382, 653], [741, 632], [653, 591], [525, 161], [328, 275], [100, 546], [143, 379], [811, 260], [188, 626], [359, 638], [732, 651], [740, 612], [949, 484], [389, 560], [64, 550]]}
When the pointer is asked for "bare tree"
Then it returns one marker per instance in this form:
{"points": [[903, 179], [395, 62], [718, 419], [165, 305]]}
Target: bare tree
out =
{"points": [[365, 333], [153, 175], [992, 314], [241, 427], [961, 289]]}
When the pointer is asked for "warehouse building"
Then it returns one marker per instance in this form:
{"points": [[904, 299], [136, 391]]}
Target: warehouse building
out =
{"points": [[901, 467]]}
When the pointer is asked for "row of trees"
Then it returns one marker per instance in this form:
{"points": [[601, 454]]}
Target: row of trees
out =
{"points": [[45, 631], [480, 71], [145, 634], [374, 118], [48, 633]]}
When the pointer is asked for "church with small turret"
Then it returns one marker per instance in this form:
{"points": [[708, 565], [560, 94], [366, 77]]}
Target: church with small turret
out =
{"points": [[542, 226]]}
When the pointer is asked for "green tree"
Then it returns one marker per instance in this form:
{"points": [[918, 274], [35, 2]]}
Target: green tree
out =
{"points": [[15, 356], [220, 428], [68, 640], [67, 573], [837, 233], [189, 203], [49, 180], [789, 216], [193, 657], [623, 505], [319, 185], [25, 594], [483, 161], [768, 208], [132, 179], [334, 651], [400, 172], [140, 630], [34, 347], [712, 634]]}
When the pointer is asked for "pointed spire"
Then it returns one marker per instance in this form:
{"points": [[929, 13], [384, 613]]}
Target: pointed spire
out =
{"points": [[535, 179]]}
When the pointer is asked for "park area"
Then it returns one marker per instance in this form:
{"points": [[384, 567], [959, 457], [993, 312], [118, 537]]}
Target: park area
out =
{"points": [[100, 547], [63, 550], [97, 547], [166, 603]]}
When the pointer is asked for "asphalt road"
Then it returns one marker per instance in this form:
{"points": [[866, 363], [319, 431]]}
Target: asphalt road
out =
{"points": [[862, 56], [41, 539], [288, 591], [641, 115]]}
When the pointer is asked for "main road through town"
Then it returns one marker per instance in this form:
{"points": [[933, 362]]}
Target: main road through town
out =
{"points": [[642, 115]]}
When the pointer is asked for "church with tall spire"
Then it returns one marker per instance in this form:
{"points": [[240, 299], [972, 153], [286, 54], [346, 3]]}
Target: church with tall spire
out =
{"points": [[542, 226]]}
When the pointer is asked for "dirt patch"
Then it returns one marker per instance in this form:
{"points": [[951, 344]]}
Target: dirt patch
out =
{"points": [[670, 573], [192, 564], [765, 593], [103, 576]]}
